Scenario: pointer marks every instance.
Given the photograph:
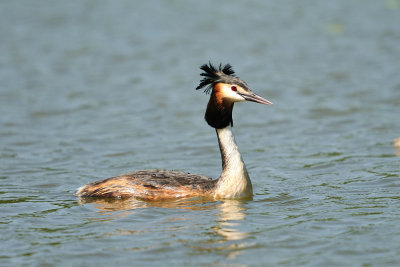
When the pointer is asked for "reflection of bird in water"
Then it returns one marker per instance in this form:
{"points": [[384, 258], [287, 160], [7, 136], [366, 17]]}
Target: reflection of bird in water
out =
{"points": [[234, 182], [130, 204], [232, 212]]}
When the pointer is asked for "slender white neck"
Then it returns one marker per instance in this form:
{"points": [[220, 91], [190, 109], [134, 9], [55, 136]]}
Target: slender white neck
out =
{"points": [[234, 181]]}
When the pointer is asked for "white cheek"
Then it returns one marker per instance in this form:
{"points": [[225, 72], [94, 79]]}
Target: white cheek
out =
{"points": [[232, 95]]}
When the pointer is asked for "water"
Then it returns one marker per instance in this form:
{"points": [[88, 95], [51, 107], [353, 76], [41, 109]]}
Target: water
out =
{"points": [[92, 89]]}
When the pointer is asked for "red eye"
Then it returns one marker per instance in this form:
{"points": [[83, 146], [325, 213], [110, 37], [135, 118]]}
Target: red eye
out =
{"points": [[234, 88]]}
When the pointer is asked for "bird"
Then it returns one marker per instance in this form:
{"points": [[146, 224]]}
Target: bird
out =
{"points": [[396, 143], [225, 89]]}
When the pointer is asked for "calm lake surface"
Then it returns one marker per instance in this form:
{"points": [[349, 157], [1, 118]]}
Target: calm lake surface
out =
{"points": [[92, 89]]}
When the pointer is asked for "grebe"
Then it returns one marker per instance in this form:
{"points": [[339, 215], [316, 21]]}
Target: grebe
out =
{"points": [[234, 182], [396, 143]]}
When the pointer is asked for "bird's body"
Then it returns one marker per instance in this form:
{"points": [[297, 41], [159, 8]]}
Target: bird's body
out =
{"points": [[234, 181], [396, 143], [151, 185]]}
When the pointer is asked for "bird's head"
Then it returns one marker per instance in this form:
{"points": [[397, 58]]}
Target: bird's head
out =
{"points": [[226, 89]]}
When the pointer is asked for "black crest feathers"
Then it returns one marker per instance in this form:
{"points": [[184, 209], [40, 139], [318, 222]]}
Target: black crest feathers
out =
{"points": [[213, 76]]}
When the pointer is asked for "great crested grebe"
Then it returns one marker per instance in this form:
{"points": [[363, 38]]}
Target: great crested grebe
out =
{"points": [[396, 143], [226, 89]]}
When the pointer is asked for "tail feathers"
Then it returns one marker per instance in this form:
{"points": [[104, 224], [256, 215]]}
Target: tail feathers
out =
{"points": [[109, 188]]}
